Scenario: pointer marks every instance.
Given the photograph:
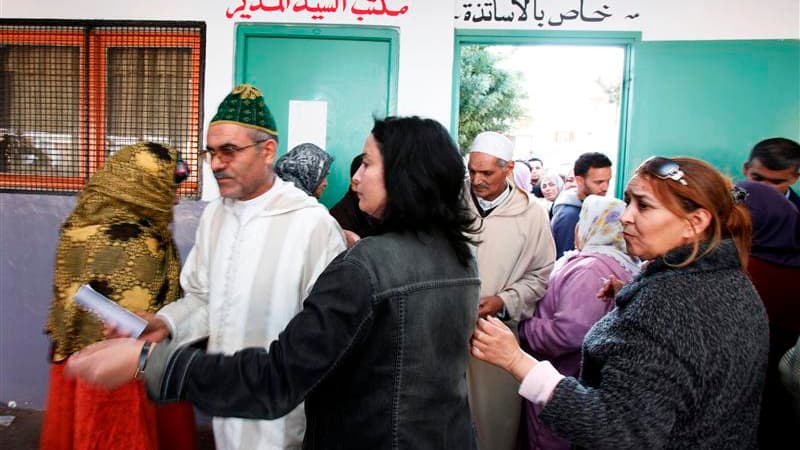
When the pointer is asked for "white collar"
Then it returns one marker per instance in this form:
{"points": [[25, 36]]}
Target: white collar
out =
{"points": [[487, 205]]}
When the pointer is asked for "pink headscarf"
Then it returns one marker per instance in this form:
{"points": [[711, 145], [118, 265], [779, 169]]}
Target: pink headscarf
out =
{"points": [[522, 176]]}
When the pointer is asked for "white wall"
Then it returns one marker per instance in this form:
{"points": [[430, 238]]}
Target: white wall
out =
{"points": [[658, 20], [427, 28]]}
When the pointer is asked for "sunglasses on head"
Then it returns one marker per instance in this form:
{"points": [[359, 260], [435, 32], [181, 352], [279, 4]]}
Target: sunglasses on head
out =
{"points": [[181, 171], [665, 169]]}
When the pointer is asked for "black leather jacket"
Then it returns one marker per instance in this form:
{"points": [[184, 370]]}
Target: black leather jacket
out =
{"points": [[378, 353]]}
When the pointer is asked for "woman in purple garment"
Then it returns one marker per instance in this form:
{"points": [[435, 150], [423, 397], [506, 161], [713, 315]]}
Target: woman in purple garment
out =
{"points": [[570, 307]]}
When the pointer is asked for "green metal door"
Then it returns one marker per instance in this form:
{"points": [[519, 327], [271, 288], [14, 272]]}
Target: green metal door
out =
{"points": [[353, 70]]}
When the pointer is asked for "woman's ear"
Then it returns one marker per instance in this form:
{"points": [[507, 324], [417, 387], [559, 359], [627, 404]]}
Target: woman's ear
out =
{"points": [[698, 222]]}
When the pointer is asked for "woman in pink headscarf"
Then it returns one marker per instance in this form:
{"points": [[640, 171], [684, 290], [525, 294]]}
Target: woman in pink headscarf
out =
{"points": [[570, 306], [522, 175]]}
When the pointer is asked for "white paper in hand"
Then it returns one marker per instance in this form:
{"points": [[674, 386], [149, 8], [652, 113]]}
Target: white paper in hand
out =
{"points": [[109, 312]]}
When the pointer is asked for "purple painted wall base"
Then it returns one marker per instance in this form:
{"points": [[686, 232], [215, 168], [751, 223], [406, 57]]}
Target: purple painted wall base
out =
{"points": [[28, 236]]}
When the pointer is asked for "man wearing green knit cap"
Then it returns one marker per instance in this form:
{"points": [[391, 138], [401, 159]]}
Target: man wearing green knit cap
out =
{"points": [[241, 144], [245, 106], [258, 251]]}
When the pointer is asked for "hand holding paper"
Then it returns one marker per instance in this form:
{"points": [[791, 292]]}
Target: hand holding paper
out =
{"points": [[109, 312], [156, 330]]}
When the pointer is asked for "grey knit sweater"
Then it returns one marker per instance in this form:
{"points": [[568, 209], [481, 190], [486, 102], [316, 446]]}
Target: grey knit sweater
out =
{"points": [[679, 363]]}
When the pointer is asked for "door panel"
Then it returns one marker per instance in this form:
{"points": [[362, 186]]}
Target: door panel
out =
{"points": [[353, 69], [712, 100]]}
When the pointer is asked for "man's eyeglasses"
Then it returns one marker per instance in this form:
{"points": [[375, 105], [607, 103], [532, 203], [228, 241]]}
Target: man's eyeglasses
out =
{"points": [[666, 169], [226, 152]]}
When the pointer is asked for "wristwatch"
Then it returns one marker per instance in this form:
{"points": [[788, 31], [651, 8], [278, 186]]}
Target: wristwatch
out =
{"points": [[144, 355]]}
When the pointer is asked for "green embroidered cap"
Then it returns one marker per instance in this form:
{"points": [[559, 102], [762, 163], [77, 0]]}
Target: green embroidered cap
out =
{"points": [[245, 106]]}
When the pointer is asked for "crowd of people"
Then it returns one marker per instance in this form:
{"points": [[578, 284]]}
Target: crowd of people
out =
{"points": [[443, 302]]}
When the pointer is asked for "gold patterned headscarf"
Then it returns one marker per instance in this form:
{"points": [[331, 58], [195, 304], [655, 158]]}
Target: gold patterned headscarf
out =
{"points": [[117, 239]]}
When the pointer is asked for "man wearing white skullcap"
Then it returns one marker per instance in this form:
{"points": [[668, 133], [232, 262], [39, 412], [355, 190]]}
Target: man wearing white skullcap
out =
{"points": [[515, 256]]}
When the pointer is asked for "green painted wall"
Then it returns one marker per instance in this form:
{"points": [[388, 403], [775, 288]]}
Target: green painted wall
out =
{"points": [[711, 99]]}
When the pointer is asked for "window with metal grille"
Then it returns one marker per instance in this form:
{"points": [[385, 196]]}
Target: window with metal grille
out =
{"points": [[74, 92]]}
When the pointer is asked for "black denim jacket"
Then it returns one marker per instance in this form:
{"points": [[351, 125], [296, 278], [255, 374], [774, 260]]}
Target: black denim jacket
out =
{"points": [[378, 353]]}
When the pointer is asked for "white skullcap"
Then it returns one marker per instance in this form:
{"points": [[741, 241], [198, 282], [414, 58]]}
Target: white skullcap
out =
{"points": [[493, 143]]}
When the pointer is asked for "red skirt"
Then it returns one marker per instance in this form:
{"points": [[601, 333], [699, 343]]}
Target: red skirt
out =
{"points": [[82, 416]]}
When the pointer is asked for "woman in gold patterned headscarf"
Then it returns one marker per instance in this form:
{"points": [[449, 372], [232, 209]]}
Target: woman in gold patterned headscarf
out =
{"points": [[117, 239]]}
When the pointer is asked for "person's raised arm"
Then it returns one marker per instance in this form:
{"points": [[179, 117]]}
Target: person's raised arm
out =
{"points": [[494, 343], [255, 382], [187, 318]]}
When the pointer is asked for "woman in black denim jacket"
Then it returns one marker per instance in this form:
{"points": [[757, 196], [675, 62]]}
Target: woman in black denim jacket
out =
{"points": [[379, 350]]}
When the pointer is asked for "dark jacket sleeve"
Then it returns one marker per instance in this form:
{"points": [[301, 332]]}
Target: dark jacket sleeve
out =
{"points": [[265, 384], [563, 225]]}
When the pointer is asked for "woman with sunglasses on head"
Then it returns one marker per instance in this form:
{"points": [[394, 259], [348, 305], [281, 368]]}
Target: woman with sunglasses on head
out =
{"points": [[680, 361], [379, 350], [118, 241]]}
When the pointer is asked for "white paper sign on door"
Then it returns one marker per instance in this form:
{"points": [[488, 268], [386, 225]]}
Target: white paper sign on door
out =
{"points": [[307, 123]]}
